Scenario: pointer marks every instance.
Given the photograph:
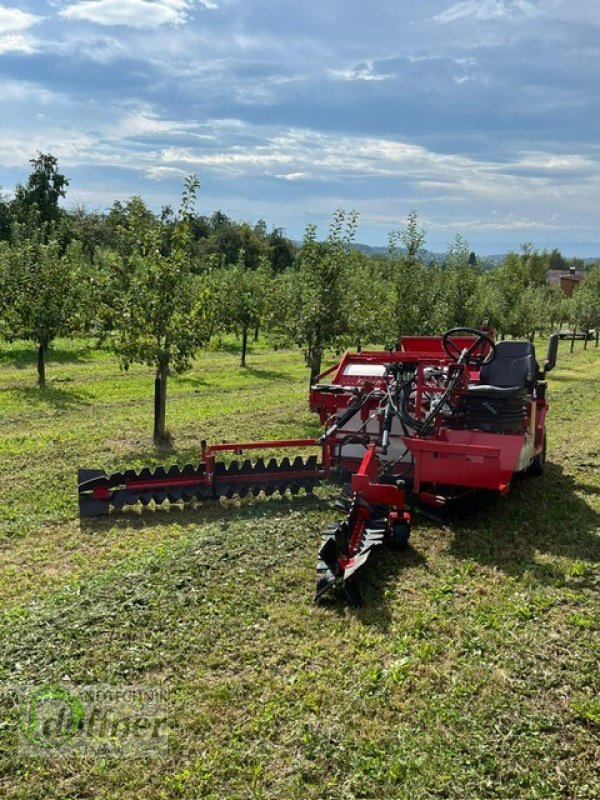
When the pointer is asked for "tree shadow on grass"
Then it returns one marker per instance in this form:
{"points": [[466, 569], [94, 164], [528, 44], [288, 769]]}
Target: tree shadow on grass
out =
{"points": [[21, 356], [268, 374], [540, 516], [58, 399], [193, 380]]}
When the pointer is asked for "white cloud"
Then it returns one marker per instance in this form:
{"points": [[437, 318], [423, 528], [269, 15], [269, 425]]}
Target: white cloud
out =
{"points": [[143, 122], [361, 72], [142, 14], [292, 176], [314, 156], [487, 10], [17, 43], [157, 173], [13, 20]]}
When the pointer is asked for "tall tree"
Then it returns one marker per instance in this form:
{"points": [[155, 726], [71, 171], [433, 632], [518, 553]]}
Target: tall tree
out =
{"points": [[314, 317], [586, 302], [408, 276], [159, 319], [42, 294], [37, 202], [5, 219], [244, 292]]}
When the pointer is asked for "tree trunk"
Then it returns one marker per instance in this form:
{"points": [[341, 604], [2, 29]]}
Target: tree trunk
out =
{"points": [[41, 364], [573, 339], [315, 364], [244, 346], [256, 331], [358, 347], [597, 335], [585, 338], [160, 402]]}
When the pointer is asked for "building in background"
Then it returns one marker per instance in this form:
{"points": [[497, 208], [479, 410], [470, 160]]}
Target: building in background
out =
{"points": [[568, 281]]}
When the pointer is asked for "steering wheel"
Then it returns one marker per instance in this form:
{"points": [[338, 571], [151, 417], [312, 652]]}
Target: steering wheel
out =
{"points": [[473, 355]]}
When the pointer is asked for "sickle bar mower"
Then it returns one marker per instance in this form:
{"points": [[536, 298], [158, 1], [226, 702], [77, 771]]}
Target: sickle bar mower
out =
{"points": [[209, 480], [432, 421]]}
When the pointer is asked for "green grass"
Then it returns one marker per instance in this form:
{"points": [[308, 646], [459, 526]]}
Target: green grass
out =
{"points": [[472, 671]]}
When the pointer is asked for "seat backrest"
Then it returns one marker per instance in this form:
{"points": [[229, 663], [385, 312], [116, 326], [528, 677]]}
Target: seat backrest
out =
{"points": [[514, 365]]}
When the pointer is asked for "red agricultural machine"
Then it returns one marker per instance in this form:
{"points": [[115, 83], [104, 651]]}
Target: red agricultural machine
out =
{"points": [[433, 420]]}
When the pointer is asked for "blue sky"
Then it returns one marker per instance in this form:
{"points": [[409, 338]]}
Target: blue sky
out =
{"points": [[483, 115]]}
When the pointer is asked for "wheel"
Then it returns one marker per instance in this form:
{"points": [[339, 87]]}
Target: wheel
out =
{"points": [[399, 536], [539, 462]]}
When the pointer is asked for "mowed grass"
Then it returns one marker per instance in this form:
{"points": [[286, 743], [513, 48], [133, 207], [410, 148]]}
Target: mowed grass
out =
{"points": [[471, 672]]}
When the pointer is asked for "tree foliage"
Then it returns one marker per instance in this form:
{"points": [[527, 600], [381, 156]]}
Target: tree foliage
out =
{"points": [[158, 316], [43, 294]]}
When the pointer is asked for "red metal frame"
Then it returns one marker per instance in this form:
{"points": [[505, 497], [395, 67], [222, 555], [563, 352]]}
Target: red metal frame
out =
{"points": [[446, 461]]}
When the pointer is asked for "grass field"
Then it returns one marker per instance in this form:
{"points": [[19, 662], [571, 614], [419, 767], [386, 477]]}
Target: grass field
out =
{"points": [[472, 672]]}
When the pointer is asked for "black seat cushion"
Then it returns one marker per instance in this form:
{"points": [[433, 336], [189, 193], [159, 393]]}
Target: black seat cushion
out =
{"points": [[487, 390], [513, 368]]}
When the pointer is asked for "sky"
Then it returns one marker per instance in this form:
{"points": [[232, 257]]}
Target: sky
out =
{"points": [[482, 115]]}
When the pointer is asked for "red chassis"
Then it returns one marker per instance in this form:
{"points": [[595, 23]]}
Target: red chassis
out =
{"points": [[440, 416]]}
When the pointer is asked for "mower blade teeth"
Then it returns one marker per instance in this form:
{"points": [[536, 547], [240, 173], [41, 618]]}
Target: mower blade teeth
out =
{"points": [[188, 471], [174, 472], [145, 474], [123, 498], [352, 594], [259, 466], [326, 580], [234, 468], [246, 466], [268, 489], [297, 464], [311, 463], [356, 563], [146, 497], [160, 496], [294, 489], [175, 495], [159, 472], [273, 465], [129, 475], [243, 491]]}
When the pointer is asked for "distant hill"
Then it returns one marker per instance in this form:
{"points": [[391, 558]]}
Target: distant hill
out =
{"points": [[485, 262]]}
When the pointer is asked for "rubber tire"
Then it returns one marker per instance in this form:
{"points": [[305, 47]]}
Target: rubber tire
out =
{"points": [[536, 468], [399, 536]]}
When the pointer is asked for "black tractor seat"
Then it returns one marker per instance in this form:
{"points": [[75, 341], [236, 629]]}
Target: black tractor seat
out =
{"points": [[512, 372], [498, 402]]}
